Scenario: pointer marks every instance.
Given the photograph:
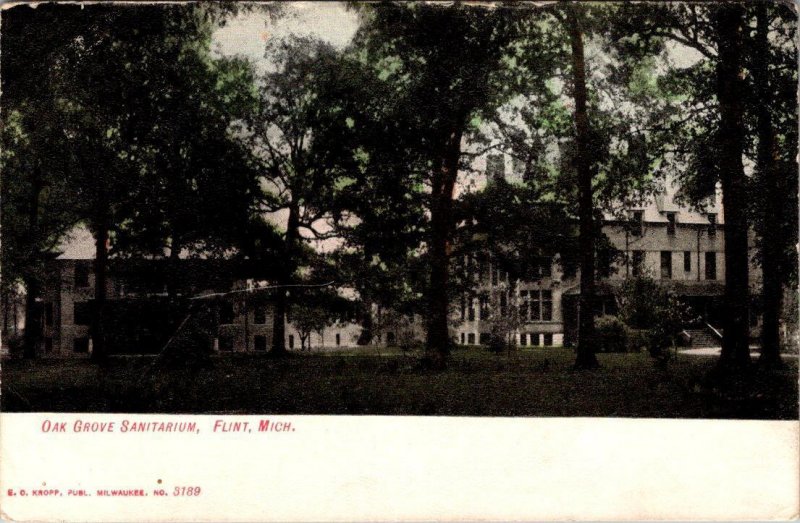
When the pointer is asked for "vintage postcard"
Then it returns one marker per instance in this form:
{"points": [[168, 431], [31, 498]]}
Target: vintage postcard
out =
{"points": [[384, 261]]}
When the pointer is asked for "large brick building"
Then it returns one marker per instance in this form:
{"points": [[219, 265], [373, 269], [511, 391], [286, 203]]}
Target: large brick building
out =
{"points": [[137, 311], [680, 247]]}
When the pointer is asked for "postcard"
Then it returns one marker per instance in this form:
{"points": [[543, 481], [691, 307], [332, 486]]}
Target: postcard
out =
{"points": [[357, 261]]}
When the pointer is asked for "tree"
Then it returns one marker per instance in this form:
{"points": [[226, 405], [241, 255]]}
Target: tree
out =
{"points": [[293, 138], [37, 207], [440, 70], [711, 117], [117, 132], [735, 343], [585, 358], [315, 310], [587, 112], [773, 104], [125, 149]]}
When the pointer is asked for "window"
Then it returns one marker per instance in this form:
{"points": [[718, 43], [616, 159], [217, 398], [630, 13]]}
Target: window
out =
{"points": [[535, 339], [711, 265], [471, 338], [471, 310], [687, 261], [48, 314], [482, 268], [523, 339], [81, 274], [548, 340], [463, 308], [462, 338], [226, 344], [495, 166], [671, 223], [226, 313], [80, 344], [547, 305], [339, 338], [524, 305], [637, 265], [484, 306], [637, 223], [536, 306], [291, 340], [712, 224], [260, 343], [666, 265], [82, 313], [259, 316], [503, 303]]}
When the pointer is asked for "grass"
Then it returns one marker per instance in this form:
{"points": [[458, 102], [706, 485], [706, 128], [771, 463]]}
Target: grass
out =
{"points": [[528, 382]]}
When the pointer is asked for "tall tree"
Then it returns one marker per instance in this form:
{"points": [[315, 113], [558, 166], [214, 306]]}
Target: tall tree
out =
{"points": [[585, 358], [773, 103], [440, 68], [37, 207], [577, 139], [729, 19], [297, 136], [118, 131], [709, 118]]}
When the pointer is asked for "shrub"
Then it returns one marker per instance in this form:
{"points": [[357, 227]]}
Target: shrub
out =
{"points": [[612, 335], [658, 313], [496, 343], [638, 340]]}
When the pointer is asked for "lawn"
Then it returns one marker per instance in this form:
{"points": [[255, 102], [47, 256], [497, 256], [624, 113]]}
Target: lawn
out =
{"points": [[529, 382]]}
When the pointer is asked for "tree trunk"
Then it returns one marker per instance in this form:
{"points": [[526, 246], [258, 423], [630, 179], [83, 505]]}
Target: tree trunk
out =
{"points": [[173, 268], [33, 323], [772, 191], [99, 349], [585, 357], [438, 333], [735, 341], [285, 278], [6, 302], [32, 313], [367, 324]]}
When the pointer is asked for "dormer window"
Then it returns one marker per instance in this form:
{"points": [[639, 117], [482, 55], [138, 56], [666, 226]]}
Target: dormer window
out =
{"points": [[712, 224], [671, 223], [637, 223]]}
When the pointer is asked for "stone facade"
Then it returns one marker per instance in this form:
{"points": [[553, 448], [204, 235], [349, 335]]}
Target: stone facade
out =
{"points": [[682, 248]]}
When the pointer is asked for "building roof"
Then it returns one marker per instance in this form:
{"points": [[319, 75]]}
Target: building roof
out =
{"points": [[78, 244]]}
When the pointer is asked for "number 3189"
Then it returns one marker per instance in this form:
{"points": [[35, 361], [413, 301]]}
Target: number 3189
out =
{"points": [[186, 491]]}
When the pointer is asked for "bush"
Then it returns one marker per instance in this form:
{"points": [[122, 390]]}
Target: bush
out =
{"points": [[638, 340], [612, 335], [497, 344]]}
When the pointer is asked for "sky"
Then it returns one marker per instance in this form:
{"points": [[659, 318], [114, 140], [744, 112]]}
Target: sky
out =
{"points": [[246, 34]]}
